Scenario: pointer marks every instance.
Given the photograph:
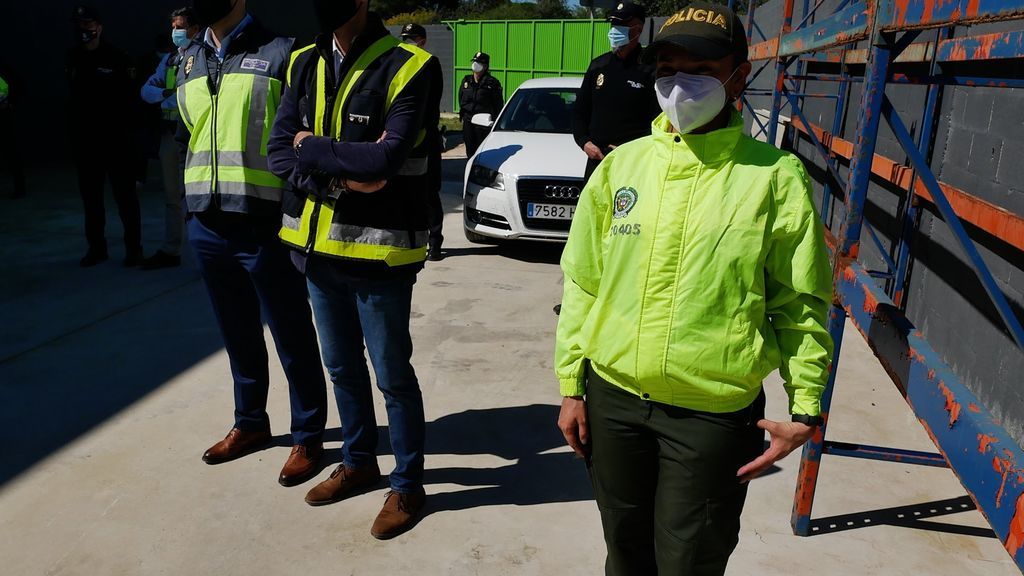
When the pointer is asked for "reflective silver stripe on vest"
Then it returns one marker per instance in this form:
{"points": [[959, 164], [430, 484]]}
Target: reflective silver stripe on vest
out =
{"points": [[183, 106], [375, 236], [291, 222], [205, 158], [413, 167], [257, 122], [234, 189]]}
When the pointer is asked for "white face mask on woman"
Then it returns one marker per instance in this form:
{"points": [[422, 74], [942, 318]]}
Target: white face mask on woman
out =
{"points": [[478, 67], [690, 100]]}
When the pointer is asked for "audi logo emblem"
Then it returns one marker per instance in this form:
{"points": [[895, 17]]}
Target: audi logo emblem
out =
{"points": [[562, 192]]}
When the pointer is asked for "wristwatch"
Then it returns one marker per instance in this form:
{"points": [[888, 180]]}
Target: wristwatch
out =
{"points": [[808, 420], [337, 187], [298, 146]]}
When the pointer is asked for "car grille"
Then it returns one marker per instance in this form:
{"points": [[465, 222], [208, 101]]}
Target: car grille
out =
{"points": [[564, 191]]}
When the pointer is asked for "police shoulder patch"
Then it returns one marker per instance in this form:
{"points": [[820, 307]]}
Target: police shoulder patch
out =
{"points": [[625, 200], [188, 64], [600, 80]]}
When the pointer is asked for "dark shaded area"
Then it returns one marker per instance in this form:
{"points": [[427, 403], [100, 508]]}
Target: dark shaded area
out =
{"points": [[47, 405], [912, 516], [521, 250]]}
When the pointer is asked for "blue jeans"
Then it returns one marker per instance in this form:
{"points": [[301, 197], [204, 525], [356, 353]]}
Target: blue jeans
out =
{"points": [[249, 276], [350, 311]]}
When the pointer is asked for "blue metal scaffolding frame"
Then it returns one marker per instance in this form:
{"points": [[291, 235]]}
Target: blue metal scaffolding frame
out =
{"points": [[985, 458]]}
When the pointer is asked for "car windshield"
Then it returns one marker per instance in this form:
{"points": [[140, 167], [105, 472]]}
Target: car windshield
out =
{"points": [[547, 110]]}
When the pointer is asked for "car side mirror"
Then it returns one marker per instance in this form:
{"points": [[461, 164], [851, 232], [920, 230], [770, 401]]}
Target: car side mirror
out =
{"points": [[483, 120]]}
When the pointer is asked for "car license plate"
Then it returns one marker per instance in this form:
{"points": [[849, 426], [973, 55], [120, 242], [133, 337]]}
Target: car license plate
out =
{"points": [[550, 211]]}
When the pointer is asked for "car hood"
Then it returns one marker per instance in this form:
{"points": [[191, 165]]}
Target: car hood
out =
{"points": [[532, 154]]}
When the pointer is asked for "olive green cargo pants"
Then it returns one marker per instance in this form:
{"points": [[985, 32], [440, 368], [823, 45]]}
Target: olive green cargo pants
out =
{"points": [[665, 481]]}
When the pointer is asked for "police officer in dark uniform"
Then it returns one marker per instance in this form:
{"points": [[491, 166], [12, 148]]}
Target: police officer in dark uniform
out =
{"points": [[417, 35], [616, 102], [102, 91], [10, 151], [480, 93]]}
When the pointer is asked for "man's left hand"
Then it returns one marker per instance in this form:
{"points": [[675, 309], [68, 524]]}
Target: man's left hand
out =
{"points": [[300, 137], [785, 437]]}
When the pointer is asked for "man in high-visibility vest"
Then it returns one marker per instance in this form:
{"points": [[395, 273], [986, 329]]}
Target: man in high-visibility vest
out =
{"points": [[229, 85], [696, 265], [159, 89], [351, 138]]}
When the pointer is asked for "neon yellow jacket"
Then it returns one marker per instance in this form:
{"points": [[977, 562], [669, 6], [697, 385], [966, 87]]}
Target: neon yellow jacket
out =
{"points": [[695, 266]]}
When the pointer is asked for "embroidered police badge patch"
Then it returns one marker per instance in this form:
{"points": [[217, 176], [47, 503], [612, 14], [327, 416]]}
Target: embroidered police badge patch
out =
{"points": [[255, 64], [600, 80], [188, 65], [625, 199]]}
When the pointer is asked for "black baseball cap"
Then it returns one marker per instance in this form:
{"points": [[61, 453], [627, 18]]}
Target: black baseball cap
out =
{"points": [[414, 30], [709, 31], [83, 13], [482, 57], [626, 11]]}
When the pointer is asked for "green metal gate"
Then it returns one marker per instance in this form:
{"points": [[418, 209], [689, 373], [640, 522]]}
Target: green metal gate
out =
{"points": [[525, 49]]}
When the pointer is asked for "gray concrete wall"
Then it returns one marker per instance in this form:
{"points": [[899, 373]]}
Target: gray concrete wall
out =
{"points": [[979, 148]]}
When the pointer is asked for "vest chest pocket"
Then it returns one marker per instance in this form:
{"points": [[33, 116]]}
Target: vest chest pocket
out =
{"points": [[363, 117]]}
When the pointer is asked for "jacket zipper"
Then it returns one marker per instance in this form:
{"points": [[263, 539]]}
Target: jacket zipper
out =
{"points": [[213, 140]]}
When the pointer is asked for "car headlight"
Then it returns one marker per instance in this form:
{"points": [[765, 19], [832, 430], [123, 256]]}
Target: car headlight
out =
{"points": [[484, 176]]}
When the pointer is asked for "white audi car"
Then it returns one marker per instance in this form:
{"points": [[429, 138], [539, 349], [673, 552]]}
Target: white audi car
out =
{"points": [[525, 180]]}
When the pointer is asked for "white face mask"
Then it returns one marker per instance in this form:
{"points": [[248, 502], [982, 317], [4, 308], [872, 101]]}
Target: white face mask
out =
{"points": [[478, 67], [690, 100]]}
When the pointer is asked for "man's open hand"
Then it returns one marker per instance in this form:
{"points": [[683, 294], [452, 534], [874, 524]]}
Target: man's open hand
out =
{"points": [[785, 437]]}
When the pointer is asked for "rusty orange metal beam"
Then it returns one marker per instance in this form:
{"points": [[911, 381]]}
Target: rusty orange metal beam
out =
{"points": [[766, 50], [998, 222]]}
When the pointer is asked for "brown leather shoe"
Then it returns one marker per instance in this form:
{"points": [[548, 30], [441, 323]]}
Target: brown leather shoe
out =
{"points": [[236, 444], [301, 464], [400, 513], [344, 482]]}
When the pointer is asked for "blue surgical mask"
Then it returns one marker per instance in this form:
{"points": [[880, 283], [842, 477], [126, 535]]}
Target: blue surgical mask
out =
{"points": [[618, 36], [179, 37]]}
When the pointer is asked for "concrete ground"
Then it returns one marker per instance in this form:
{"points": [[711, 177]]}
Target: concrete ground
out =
{"points": [[114, 381]]}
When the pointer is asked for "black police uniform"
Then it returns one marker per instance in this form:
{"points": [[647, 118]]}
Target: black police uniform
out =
{"points": [[102, 98], [478, 97], [10, 146], [616, 103]]}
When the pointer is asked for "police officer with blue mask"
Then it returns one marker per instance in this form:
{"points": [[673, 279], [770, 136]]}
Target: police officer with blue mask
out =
{"points": [[160, 89], [616, 103]]}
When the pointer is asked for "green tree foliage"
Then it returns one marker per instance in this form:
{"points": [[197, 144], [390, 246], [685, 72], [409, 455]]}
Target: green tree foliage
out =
{"points": [[506, 10], [421, 16], [669, 7], [405, 11], [390, 8]]}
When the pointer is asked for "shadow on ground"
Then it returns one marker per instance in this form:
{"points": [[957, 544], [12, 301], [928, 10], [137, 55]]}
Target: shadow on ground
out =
{"points": [[912, 516]]}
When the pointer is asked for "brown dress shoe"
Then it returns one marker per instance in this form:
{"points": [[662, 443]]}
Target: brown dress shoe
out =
{"points": [[301, 464], [344, 482], [400, 513], [236, 444]]}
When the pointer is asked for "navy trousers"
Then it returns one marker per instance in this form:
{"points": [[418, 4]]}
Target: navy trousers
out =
{"points": [[250, 278], [354, 316]]}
